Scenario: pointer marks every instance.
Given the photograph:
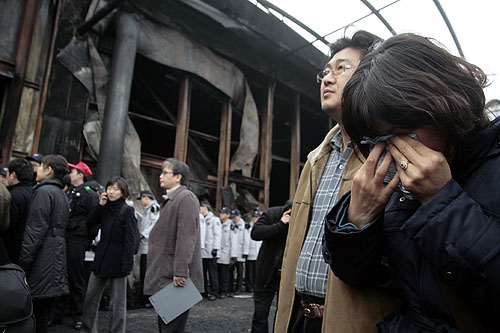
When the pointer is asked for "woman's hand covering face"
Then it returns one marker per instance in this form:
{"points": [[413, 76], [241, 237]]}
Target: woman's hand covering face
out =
{"points": [[427, 171]]}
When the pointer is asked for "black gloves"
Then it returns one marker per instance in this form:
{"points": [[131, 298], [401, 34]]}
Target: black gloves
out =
{"points": [[233, 261], [214, 253]]}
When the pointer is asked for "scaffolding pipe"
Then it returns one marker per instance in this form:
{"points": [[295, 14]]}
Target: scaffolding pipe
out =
{"points": [[380, 16], [450, 27]]}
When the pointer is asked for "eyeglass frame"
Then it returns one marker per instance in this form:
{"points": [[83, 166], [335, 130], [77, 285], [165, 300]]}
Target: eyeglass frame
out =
{"points": [[163, 172], [335, 72]]}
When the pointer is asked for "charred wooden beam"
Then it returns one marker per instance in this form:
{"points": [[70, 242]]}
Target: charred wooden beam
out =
{"points": [[183, 114], [247, 181], [224, 152], [266, 145], [16, 88], [199, 134], [295, 147]]}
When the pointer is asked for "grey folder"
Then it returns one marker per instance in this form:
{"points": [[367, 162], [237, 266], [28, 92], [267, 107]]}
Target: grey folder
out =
{"points": [[170, 302]]}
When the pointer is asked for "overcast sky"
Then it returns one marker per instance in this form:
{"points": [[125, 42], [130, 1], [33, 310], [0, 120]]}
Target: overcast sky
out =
{"points": [[475, 23]]}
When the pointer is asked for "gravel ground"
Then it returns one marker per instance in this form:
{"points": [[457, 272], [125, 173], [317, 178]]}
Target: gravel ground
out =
{"points": [[222, 315]]}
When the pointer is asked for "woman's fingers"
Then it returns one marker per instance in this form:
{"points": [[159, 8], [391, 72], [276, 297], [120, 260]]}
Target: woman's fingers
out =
{"points": [[371, 162], [412, 149], [403, 162], [383, 168]]}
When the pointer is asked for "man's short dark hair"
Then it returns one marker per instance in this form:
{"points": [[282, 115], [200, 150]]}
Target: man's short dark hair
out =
{"points": [[22, 168], [361, 40], [58, 164], [178, 168]]}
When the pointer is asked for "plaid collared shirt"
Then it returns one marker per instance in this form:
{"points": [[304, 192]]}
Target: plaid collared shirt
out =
{"points": [[312, 271]]}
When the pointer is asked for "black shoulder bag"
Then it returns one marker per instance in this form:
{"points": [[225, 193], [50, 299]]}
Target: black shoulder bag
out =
{"points": [[16, 306]]}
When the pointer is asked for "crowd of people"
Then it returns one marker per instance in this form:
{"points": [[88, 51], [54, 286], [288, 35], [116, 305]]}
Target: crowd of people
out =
{"points": [[77, 240], [393, 227]]}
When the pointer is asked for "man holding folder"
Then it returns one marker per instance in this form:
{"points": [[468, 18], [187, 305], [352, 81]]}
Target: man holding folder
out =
{"points": [[174, 252]]}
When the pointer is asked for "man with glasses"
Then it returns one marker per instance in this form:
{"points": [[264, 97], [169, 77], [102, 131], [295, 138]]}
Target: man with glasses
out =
{"points": [[307, 298], [174, 252]]}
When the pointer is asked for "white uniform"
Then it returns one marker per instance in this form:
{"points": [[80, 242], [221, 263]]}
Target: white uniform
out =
{"points": [[254, 246], [225, 244], [240, 240], [212, 235], [148, 221], [203, 231]]}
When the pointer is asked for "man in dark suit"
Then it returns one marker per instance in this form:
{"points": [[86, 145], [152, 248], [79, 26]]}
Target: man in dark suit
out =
{"points": [[174, 252]]}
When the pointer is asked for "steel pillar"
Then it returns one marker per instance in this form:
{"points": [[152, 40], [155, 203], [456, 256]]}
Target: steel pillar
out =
{"points": [[117, 99]]}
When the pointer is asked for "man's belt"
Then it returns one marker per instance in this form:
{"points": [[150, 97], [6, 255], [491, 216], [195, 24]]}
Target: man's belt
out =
{"points": [[312, 310]]}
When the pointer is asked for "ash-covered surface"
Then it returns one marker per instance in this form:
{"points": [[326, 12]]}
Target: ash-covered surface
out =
{"points": [[222, 315]]}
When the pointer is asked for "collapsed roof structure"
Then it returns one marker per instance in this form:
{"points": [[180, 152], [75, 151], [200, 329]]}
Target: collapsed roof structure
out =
{"points": [[125, 84]]}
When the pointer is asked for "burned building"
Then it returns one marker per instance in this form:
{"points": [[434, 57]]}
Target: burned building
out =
{"points": [[123, 85]]}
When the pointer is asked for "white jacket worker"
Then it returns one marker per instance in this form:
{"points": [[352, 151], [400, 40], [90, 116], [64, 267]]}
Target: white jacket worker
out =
{"points": [[209, 250], [149, 218], [253, 251], [225, 252], [148, 221], [203, 232], [240, 241], [254, 246]]}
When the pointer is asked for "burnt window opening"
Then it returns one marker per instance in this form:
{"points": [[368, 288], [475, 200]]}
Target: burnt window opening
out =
{"points": [[280, 182], [153, 109]]}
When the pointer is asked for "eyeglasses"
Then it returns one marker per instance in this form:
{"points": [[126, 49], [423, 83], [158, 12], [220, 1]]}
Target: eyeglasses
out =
{"points": [[167, 172], [336, 72]]}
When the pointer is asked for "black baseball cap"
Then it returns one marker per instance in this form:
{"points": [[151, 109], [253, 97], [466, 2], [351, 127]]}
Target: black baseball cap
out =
{"points": [[235, 212], [146, 193], [225, 210], [35, 157], [206, 204]]}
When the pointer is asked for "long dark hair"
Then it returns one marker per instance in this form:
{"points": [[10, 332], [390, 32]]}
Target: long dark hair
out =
{"points": [[409, 82]]}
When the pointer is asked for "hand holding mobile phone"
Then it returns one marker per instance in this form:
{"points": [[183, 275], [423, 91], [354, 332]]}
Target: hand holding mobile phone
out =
{"points": [[103, 198]]}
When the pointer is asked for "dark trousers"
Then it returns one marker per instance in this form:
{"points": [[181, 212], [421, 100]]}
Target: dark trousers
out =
{"points": [[223, 272], [239, 277], [210, 276], [305, 324], [41, 310], [77, 281], [263, 298], [177, 325], [249, 275], [142, 273]]}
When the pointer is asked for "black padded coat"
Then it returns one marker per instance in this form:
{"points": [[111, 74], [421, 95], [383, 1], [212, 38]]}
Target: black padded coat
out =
{"points": [[43, 250]]}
